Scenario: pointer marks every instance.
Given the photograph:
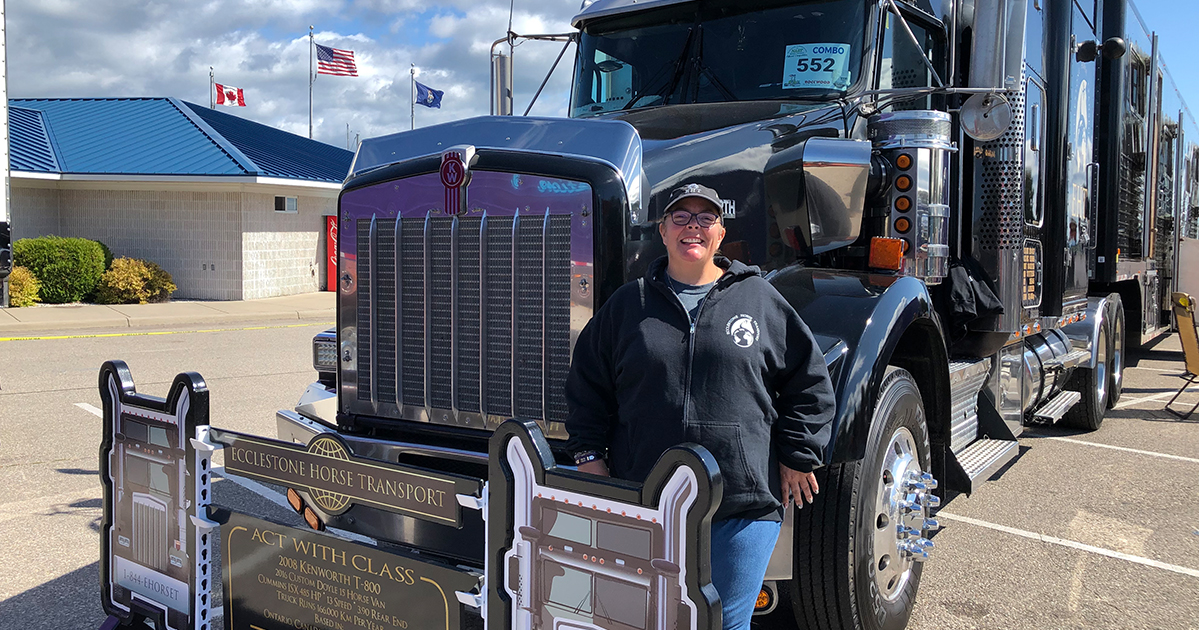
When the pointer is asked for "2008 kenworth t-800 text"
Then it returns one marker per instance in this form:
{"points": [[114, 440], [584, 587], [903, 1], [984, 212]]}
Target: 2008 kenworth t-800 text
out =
{"points": [[973, 204]]}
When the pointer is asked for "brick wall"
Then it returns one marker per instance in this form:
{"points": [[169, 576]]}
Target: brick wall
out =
{"points": [[283, 253], [195, 236], [34, 212], [229, 245]]}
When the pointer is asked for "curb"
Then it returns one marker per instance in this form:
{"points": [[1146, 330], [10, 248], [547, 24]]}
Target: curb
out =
{"points": [[93, 324]]}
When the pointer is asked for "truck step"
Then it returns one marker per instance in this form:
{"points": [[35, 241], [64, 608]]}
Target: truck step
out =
{"points": [[966, 378], [982, 459], [1071, 359], [1058, 406]]}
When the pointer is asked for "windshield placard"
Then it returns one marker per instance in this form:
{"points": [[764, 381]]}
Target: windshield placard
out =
{"points": [[816, 66]]}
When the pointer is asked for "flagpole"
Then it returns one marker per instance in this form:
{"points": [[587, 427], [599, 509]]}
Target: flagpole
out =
{"points": [[412, 96], [310, 79], [212, 99]]}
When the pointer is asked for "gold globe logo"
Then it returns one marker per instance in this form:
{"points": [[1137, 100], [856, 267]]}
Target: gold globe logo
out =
{"points": [[330, 502]]}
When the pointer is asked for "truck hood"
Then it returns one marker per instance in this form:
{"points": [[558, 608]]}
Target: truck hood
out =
{"points": [[724, 145]]}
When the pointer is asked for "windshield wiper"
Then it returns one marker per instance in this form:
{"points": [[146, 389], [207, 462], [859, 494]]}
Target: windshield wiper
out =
{"points": [[676, 74], [712, 76]]}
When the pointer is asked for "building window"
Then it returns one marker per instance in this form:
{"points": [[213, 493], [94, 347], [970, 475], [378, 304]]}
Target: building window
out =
{"points": [[285, 204]]}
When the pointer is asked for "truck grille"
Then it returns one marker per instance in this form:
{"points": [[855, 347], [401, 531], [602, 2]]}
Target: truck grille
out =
{"points": [[150, 532], [484, 314]]}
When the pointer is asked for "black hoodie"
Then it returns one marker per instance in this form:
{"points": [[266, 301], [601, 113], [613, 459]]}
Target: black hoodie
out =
{"points": [[746, 380]]}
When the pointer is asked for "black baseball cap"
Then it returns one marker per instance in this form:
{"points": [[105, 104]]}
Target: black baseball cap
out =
{"points": [[694, 190]]}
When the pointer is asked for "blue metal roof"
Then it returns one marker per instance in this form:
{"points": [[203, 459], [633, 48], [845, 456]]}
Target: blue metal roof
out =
{"points": [[278, 153], [161, 136], [29, 145]]}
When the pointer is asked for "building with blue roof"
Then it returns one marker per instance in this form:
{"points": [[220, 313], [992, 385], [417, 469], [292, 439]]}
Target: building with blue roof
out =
{"points": [[233, 209]]}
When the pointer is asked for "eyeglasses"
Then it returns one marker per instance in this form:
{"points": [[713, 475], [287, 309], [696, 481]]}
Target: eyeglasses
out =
{"points": [[703, 219]]}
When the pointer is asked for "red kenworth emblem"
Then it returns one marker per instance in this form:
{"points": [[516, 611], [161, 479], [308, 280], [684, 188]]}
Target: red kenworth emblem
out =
{"points": [[453, 175]]}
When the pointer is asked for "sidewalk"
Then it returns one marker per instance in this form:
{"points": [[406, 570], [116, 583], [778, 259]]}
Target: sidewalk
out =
{"points": [[307, 307]]}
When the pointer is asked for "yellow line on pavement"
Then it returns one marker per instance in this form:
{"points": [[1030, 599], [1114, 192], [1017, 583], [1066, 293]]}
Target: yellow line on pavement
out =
{"points": [[160, 332]]}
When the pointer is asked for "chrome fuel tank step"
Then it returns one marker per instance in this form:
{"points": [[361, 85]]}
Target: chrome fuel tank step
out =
{"points": [[984, 457], [1058, 407], [966, 379]]}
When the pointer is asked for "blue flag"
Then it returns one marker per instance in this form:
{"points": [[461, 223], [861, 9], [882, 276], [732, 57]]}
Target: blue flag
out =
{"points": [[428, 96]]}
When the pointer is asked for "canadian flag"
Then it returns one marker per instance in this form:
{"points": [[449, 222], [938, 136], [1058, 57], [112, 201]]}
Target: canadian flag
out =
{"points": [[231, 96]]}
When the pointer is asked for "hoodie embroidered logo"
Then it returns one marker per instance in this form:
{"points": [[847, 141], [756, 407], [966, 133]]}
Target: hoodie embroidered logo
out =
{"points": [[743, 329]]}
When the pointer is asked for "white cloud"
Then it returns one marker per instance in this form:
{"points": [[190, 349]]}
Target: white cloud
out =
{"points": [[106, 48]]}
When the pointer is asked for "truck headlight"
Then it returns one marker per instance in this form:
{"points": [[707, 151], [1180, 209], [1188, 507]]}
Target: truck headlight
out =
{"points": [[325, 355]]}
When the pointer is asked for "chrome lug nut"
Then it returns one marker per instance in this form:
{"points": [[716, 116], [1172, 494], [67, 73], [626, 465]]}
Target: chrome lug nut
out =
{"points": [[931, 524]]}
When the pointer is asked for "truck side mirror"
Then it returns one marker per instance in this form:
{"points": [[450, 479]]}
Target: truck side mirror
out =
{"points": [[1086, 51], [1114, 48]]}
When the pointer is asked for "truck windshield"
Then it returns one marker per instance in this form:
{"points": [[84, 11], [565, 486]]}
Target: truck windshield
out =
{"points": [[716, 52]]}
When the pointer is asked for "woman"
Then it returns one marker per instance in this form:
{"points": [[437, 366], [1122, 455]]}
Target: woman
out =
{"points": [[702, 349]]}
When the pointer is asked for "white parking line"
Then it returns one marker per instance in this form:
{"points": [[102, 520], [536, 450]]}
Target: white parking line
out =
{"points": [[1162, 396], [1070, 543], [1123, 448], [90, 409]]}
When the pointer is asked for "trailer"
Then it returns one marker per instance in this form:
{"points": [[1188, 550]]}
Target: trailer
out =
{"points": [[976, 206]]}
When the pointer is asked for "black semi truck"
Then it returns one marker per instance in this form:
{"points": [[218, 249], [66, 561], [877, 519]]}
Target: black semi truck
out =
{"points": [[964, 199]]}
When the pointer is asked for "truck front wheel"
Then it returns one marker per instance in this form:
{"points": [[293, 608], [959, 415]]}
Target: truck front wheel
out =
{"points": [[859, 546]]}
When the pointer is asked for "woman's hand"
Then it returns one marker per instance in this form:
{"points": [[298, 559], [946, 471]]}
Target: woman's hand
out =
{"points": [[595, 467], [795, 484]]}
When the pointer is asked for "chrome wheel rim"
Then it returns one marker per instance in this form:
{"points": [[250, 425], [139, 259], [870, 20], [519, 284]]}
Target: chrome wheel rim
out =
{"points": [[1117, 353], [895, 519], [1102, 368]]}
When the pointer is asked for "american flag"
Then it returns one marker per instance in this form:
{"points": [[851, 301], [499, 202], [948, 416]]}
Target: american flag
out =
{"points": [[336, 62]]}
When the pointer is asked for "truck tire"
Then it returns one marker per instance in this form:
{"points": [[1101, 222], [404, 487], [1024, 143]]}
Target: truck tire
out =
{"points": [[849, 573], [1092, 385], [1116, 352]]}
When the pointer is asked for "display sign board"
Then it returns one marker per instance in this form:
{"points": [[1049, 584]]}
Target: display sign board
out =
{"points": [[569, 550], [279, 577], [564, 550], [154, 542], [336, 479]]}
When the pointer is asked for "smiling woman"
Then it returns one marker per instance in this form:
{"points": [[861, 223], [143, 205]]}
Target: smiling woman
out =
{"points": [[703, 349]]}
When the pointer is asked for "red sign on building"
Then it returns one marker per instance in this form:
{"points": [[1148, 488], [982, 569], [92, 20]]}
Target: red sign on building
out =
{"points": [[330, 253]]}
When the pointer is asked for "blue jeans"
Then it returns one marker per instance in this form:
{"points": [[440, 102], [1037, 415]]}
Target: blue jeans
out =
{"points": [[740, 551]]}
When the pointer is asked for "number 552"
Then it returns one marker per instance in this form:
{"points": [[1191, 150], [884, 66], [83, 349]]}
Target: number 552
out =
{"points": [[815, 65]]}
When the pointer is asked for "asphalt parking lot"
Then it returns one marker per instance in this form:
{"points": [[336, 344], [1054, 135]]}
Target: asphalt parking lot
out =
{"points": [[1084, 530]]}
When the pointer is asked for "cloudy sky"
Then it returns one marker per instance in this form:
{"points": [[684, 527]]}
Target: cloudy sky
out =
{"points": [[91, 48]]}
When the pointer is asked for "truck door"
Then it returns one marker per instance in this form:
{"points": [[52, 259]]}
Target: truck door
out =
{"points": [[1081, 162], [1070, 219]]}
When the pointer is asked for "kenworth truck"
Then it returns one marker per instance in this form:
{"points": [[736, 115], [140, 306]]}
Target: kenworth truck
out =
{"points": [[971, 203]]}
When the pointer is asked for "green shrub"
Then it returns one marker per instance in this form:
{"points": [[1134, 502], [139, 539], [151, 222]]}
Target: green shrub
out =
{"points": [[108, 256], [134, 281], [68, 268], [22, 287], [124, 283], [161, 285]]}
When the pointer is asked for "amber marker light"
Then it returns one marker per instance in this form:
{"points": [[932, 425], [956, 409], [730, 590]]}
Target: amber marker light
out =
{"points": [[886, 253], [903, 161], [902, 225], [903, 204], [313, 520], [904, 182], [294, 500], [764, 600]]}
